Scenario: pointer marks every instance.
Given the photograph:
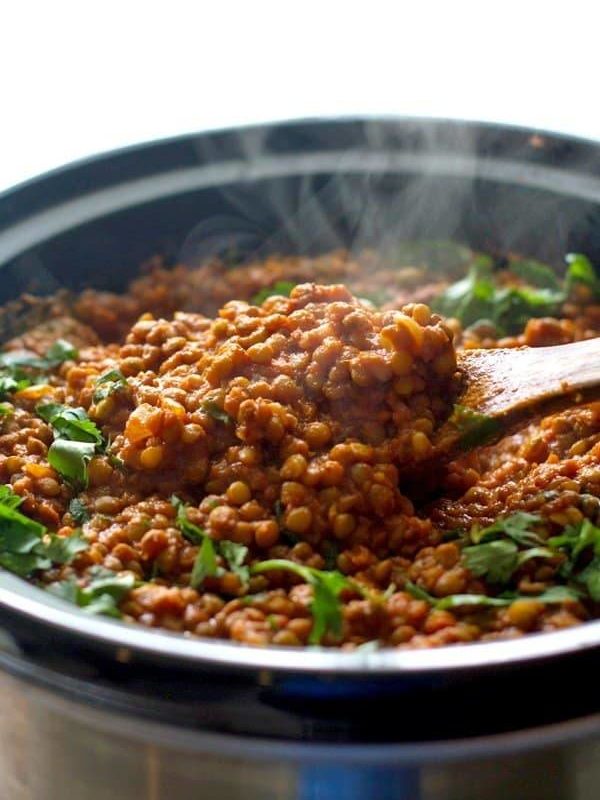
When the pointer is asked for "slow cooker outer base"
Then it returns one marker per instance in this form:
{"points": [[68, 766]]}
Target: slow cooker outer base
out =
{"points": [[51, 747]]}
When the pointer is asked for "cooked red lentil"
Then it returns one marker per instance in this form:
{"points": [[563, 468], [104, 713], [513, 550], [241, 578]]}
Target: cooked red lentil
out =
{"points": [[205, 456]]}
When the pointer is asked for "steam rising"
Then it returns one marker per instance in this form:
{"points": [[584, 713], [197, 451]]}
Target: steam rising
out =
{"points": [[355, 209]]}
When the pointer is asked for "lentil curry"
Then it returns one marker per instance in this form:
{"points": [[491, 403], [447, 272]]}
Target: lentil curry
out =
{"points": [[246, 452]]}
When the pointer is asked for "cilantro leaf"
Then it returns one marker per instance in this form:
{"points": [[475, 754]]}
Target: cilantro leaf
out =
{"points": [[577, 541], [517, 527], [235, 555], [62, 549], [70, 459], [214, 411], [590, 578], [70, 423], [556, 594], [477, 297], [24, 544], [60, 351], [325, 605], [76, 441], [192, 533], [475, 429], [469, 299], [495, 560], [535, 273], [205, 564], [102, 593], [9, 384], [280, 288], [580, 270], [79, 511], [8, 498], [109, 383]]}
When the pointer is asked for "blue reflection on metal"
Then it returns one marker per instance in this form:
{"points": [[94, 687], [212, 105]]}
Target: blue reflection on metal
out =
{"points": [[324, 782]]}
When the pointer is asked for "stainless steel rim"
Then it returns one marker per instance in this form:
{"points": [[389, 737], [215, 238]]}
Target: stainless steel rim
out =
{"points": [[37, 606]]}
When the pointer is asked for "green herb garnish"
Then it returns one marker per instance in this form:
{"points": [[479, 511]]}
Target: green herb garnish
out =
{"points": [[235, 555], [60, 351], [580, 270], [214, 411], [109, 383], [70, 423], [79, 511], [25, 545], [76, 440], [101, 595], [325, 605], [475, 429], [280, 288], [205, 564], [535, 273], [192, 533], [520, 527], [62, 549], [498, 560], [477, 297], [556, 594], [581, 544], [71, 459], [495, 553], [20, 369]]}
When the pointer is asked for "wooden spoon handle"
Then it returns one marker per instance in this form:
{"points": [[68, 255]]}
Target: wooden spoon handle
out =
{"points": [[505, 380]]}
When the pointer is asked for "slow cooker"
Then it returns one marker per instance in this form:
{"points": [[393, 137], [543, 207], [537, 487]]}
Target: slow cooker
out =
{"points": [[95, 709]]}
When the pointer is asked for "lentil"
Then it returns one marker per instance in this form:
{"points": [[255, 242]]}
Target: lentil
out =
{"points": [[297, 429]]}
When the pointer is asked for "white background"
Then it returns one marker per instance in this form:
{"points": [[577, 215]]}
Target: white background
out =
{"points": [[77, 78]]}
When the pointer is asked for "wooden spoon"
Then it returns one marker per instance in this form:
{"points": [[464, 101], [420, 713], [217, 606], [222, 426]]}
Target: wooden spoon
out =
{"points": [[505, 381]]}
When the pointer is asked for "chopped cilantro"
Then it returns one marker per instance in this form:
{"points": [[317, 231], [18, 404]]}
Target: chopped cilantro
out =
{"points": [[474, 428], [519, 527], [205, 564], [499, 559], [535, 273], [581, 270], [109, 383], [280, 288], [235, 555], [62, 549], [70, 459], [25, 545], [76, 440], [79, 511], [325, 605], [580, 542], [192, 533], [495, 560], [556, 594], [101, 594], [70, 423], [477, 297], [214, 411], [60, 351]]}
